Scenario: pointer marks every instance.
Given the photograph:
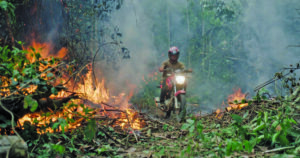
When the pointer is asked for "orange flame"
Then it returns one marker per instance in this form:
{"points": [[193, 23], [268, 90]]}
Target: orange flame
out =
{"points": [[45, 49], [130, 119], [236, 96], [95, 93], [42, 119]]}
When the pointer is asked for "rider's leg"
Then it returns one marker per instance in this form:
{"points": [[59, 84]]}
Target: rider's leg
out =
{"points": [[163, 92]]}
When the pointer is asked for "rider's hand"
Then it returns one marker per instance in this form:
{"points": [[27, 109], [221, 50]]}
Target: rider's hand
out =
{"points": [[161, 69]]}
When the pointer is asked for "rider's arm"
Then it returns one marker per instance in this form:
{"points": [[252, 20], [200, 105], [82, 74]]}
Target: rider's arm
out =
{"points": [[162, 67], [182, 67]]}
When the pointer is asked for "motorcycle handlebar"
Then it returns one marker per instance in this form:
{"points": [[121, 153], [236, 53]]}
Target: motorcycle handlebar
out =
{"points": [[171, 70]]}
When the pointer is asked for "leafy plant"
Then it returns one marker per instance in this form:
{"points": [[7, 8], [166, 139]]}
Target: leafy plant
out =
{"points": [[189, 125], [9, 7]]}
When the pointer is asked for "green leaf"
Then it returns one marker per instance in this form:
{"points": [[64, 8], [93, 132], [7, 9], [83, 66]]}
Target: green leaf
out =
{"points": [[165, 127], [55, 125], [259, 127], [3, 5], [63, 124], [54, 91], [35, 81], [237, 118], [275, 137], [13, 82], [30, 102], [191, 129], [59, 148], [101, 134], [247, 146], [15, 73], [275, 124], [246, 114], [283, 140], [50, 74], [190, 121], [266, 117], [228, 147], [104, 148], [34, 106], [292, 121], [185, 126], [100, 150], [3, 125], [90, 130]]}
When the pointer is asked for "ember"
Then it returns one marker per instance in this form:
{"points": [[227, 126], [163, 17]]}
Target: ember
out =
{"points": [[130, 119]]}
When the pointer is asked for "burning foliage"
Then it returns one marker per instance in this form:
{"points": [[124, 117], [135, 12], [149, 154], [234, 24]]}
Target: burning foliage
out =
{"points": [[236, 101], [53, 85]]}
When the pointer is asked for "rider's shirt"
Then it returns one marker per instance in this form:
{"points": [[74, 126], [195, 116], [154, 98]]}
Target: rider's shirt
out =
{"points": [[174, 66]]}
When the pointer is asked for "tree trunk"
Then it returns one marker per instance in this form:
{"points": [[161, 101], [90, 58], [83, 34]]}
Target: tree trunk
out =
{"points": [[9, 29]]}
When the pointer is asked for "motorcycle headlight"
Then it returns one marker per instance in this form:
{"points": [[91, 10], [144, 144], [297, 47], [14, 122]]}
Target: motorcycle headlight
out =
{"points": [[180, 79]]}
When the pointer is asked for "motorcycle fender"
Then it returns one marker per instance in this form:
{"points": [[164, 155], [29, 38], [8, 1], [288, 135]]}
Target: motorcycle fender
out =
{"points": [[179, 92]]}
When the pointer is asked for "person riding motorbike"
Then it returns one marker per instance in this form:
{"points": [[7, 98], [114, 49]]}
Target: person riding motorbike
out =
{"points": [[171, 63]]}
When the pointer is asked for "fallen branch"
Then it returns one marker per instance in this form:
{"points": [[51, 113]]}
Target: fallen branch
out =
{"points": [[279, 149], [155, 120], [117, 110], [107, 105], [17, 143], [110, 137], [130, 127]]}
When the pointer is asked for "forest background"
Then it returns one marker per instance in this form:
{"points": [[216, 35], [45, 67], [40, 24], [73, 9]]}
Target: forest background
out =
{"points": [[229, 44]]}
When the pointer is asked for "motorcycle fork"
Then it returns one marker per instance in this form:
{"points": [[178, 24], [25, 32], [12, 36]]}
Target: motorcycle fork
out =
{"points": [[175, 98]]}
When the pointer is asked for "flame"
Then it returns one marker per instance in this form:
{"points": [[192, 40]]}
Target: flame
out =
{"points": [[219, 115], [45, 50], [130, 118], [6, 91], [42, 119], [95, 93], [236, 96]]}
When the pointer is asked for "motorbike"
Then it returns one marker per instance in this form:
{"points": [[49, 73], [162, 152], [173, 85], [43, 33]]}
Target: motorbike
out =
{"points": [[175, 99]]}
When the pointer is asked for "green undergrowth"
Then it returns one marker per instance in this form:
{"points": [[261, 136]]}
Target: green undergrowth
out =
{"points": [[264, 128]]}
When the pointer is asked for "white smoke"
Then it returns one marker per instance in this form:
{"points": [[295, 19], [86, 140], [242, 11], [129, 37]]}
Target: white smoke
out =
{"points": [[269, 22], [266, 36]]}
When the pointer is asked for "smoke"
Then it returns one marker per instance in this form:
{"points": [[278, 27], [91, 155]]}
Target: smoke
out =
{"points": [[136, 21], [268, 30], [268, 33], [137, 38]]}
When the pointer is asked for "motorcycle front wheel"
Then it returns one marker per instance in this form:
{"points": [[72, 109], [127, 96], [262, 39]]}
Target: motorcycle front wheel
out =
{"points": [[168, 112]]}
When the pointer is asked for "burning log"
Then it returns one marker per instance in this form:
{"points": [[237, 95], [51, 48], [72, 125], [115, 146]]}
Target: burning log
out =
{"points": [[42, 93], [53, 103]]}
